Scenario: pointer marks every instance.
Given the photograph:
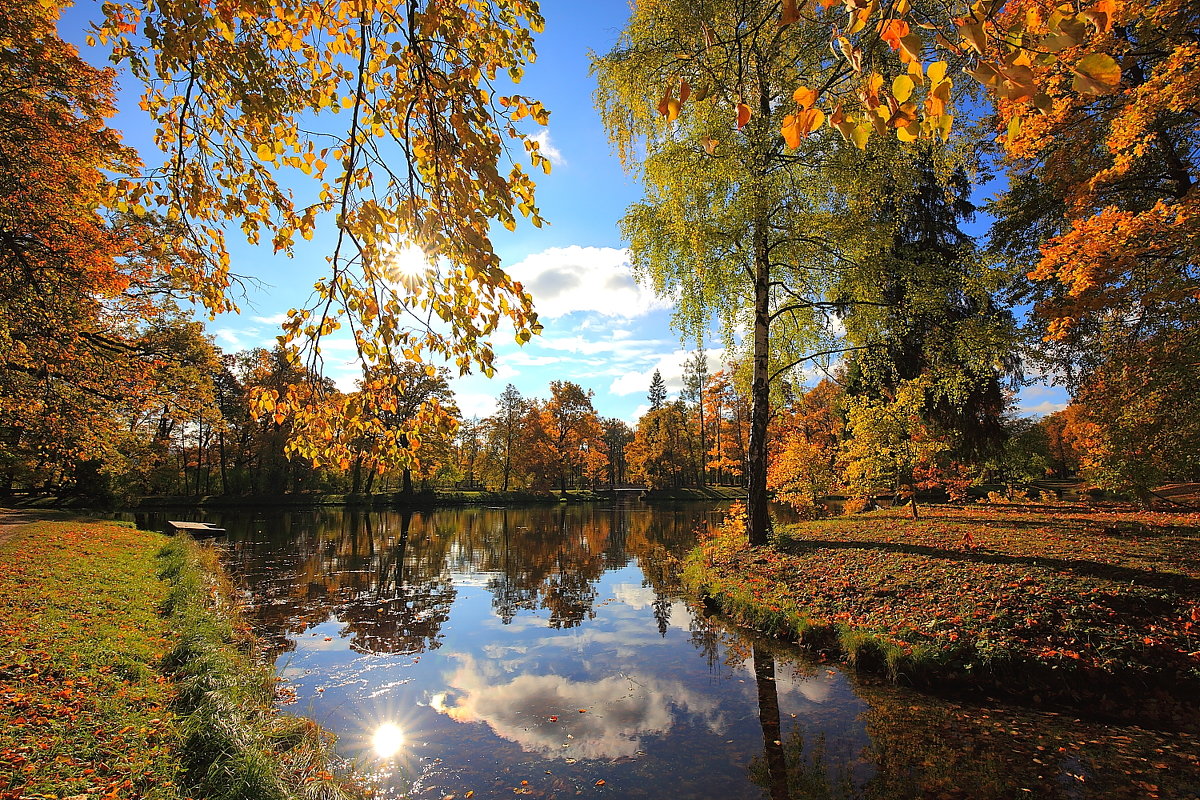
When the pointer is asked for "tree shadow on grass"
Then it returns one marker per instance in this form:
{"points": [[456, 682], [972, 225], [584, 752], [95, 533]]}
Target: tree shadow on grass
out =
{"points": [[1116, 530], [1169, 581]]}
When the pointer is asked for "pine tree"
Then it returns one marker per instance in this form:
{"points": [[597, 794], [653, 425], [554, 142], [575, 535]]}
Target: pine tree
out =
{"points": [[658, 391]]}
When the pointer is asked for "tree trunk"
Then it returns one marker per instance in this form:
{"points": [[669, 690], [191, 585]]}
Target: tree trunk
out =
{"points": [[407, 475], [768, 718], [758, 518]]}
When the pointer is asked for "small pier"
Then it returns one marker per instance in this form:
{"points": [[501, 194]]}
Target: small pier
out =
{"points": [[198, 529]]}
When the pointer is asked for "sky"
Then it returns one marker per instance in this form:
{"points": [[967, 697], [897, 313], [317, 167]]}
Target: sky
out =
{"points": [[601, 328]]}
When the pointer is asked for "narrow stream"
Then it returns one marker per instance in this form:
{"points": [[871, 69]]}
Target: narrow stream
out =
{"points": [[548, 652]]}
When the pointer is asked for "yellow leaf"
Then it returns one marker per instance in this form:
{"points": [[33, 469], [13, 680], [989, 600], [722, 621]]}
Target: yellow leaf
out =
{"points": [[861, 134], [1096, 74], [936, 71], [709, 143], [1014, 126], [902, 87], [909, 133], [266, 152]]}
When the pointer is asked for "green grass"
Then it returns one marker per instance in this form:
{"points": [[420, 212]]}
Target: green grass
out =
{"points": [[1053, 597], [125, 672]]}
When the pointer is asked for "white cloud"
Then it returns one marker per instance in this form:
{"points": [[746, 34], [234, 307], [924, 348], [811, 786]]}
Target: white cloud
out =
{"points": [[671, 367], [622, 348], [1043, 408], [475, 404], [551, 152], [619, 711], [274, 319], [230, 338], [564, 280], [634, 595]]}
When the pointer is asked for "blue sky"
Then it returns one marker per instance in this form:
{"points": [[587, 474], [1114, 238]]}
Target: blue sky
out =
{"points": [[602, 330]]}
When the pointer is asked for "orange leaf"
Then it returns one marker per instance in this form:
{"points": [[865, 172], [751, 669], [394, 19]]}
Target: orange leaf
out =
{"points": [[893, 31], [685, 91], [664, 103], [743, 115], [804, 96]]}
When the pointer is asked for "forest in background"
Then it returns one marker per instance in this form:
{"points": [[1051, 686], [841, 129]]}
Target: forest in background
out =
{"points": [[816, 242]]}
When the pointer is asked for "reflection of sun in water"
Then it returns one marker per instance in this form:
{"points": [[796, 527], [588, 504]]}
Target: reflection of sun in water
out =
{"points": [[406, 261], [388, 740]]}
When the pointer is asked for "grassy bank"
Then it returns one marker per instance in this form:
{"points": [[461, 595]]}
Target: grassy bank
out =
{"points": [[1042, 601], [124, 673]]}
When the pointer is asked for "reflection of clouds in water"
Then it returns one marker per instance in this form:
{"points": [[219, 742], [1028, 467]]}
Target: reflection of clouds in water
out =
{"points": [[634, 595], [620, 710], [798, 689]]}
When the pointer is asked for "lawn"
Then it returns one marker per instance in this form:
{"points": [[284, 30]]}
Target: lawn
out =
{"points": [[1048, 599], [125, 672]]}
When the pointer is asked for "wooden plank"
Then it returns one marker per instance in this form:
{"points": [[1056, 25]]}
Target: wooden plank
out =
{"points": [[195, 528]]}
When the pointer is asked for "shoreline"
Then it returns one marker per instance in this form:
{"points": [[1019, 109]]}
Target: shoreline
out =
{"points": [[1075, 608], [385, 501], [127, 670]]}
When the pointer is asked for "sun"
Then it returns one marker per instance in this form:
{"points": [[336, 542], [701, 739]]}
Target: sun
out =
{"points": [[388, 740], [406, 261]]}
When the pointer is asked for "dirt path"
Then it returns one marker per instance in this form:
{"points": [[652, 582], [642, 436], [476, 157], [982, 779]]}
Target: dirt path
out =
{"points": [[13, 518]]}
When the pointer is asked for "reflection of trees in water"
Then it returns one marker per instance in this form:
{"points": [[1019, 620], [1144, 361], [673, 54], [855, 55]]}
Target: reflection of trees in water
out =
{"points": [[387, 575], [383, 575], [552, 561], [924, 747]]}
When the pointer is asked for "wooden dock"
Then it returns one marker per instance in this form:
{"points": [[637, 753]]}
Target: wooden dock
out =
{"points": [[197, 529]]}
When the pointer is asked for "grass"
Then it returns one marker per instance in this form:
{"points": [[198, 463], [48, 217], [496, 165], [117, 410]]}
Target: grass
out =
{"points": [[1041, 600], [125, 672]]}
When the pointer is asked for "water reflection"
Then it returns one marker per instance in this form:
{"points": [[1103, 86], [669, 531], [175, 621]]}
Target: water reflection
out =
{"points": [[538, 651]]}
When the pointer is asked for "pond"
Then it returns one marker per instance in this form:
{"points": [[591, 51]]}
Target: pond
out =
{"points": [[549, 651]]}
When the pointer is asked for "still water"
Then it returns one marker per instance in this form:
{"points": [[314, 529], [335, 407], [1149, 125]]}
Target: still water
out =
{"points": [[549, 652]]}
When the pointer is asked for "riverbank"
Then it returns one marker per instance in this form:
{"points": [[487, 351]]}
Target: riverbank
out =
{"points": [[1049, 603], [125, 672], [382, 500]]}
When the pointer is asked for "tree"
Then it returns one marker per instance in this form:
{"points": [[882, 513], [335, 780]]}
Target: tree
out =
{"points": [[889, 446], [504, 430], [695, 379], [576, 442], [1139, 416], [617, 436], [927, 306], [66, 357], [243, 94], [736, 223], [658, 392], [806, 456], [658, 453], [403, 418]]}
